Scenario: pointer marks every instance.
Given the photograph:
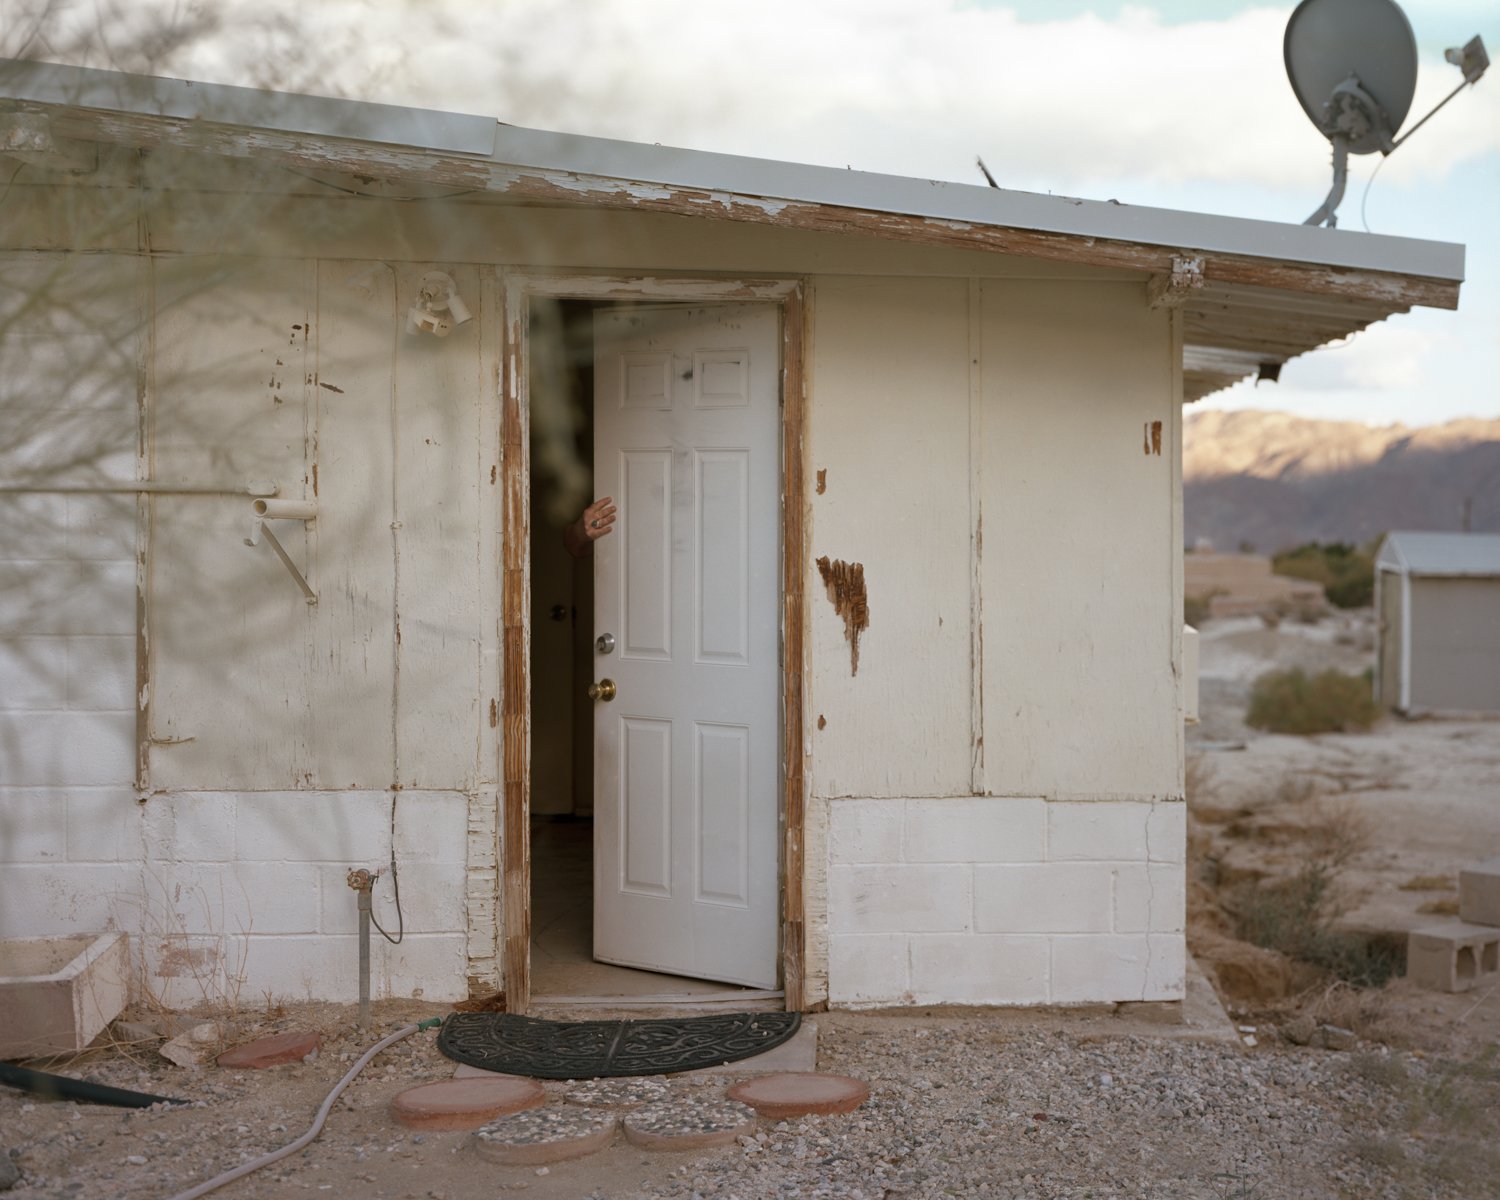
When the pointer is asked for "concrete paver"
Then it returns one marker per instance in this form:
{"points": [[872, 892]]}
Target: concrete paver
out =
{"points": [[465, 1103]]}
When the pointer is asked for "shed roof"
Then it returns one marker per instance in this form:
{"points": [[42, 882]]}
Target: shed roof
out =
{"points": [[1441, 553], [1251, 292]]}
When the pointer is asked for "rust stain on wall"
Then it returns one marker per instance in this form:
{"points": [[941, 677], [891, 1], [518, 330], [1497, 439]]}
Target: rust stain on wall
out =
{"points": [[822, 481], [822, 721], [846, 588], [494, 714], [1151, 438]]}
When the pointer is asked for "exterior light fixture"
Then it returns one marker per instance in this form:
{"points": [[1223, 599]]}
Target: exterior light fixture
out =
{"points": [[438, 307]]}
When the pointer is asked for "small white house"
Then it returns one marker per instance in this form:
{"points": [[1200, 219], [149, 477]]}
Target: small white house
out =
{"points": [[1437, 601], [885, 650]]}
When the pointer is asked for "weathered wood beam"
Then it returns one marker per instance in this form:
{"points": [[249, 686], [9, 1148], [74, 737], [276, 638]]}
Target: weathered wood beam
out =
{"points": [[1244, 299], [370, 161], [1170, 289]]}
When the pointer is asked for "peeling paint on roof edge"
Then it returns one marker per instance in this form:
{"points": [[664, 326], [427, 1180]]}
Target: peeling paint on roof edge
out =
{"points": [[776, 184]]}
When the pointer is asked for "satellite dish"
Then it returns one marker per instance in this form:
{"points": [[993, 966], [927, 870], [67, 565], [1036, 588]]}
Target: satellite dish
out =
{"points": [[1353, 67]]}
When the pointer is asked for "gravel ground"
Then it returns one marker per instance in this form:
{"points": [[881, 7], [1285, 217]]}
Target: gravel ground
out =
{"points": [[960, 1106]]}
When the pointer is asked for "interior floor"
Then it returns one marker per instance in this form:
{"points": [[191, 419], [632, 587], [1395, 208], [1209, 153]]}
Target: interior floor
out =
{"points": [[562, 923]]}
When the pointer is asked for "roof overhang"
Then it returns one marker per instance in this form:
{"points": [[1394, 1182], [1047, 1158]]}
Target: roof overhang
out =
{"points": [[1251, 292]]}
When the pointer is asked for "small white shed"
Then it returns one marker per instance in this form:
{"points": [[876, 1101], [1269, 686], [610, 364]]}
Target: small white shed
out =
{"points": [[892, 617], [1437, 601]]}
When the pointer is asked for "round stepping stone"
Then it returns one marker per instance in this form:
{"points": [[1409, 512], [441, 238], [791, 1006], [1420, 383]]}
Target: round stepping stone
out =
{"points": [[545, 1135], [465, 1103], [688, 1124], [271, 1051], [618, 1093], [801, 1094]]}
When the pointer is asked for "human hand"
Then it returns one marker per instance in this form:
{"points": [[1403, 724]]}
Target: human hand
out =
{"points": [[597, 520]]}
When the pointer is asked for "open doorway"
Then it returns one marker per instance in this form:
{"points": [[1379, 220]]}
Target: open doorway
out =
{"points": [[654, 819]]}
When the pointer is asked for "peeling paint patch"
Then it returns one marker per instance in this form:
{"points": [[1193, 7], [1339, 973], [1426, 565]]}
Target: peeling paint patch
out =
{"points": [[822, 721], [822, 481], [331, 388], [182, 961], [494, 714], [846, 588], [1151, 438]]}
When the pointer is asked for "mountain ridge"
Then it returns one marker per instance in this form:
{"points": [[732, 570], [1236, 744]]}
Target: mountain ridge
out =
{"points": [[1271, 480]]}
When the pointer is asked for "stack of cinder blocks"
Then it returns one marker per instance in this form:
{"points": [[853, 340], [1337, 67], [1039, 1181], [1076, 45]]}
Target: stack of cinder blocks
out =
{"points": [[1457, 955]]}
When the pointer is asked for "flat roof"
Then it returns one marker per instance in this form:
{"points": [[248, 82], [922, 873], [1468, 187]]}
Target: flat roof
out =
{"points": [[1420, 553], [771, 180], [1252, 294]]}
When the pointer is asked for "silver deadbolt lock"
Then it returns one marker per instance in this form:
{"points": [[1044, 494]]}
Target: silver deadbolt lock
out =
{"points": [[604, 643]]}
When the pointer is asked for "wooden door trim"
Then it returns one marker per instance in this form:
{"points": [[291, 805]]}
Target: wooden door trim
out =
{"points": [[515, 616]]}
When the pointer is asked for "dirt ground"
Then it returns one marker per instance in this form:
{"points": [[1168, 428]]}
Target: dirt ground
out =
{"points": [[1411, 801], [1034, 1104]]}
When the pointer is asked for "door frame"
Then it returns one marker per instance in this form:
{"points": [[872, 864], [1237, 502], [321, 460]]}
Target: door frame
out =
{"points": [[519, 289]]}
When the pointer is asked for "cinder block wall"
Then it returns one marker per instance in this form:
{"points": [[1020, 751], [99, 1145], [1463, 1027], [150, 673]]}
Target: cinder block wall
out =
{"points": [[69, 826], [231, 887], [246, 893], [987, 900], [1002, 777]]}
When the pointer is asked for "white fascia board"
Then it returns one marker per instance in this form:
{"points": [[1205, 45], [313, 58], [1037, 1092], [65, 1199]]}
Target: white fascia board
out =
{"points": [[774, 183], [968, 204], [225, 104]]}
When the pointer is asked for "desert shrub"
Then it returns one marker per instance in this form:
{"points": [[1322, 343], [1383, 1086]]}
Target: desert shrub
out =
{"points": [[1291, 701], [1346, 572], [1195, 609], [1296, 915]]}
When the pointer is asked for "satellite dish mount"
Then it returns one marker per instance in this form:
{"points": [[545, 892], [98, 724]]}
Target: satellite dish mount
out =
{"points": [[1353, 67]]}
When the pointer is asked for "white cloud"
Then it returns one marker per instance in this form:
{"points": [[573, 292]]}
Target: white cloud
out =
{"points": [[908, 86], [1195, 114], [1386, 357]]}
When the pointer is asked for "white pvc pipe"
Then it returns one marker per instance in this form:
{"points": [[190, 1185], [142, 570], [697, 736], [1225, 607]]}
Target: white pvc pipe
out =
{"points": [[287, 510]]}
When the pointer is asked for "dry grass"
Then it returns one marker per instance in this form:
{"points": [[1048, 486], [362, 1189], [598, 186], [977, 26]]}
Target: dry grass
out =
{"points": [[1295, 914], [1429, 883], [1446, 907], [1289, 790]]}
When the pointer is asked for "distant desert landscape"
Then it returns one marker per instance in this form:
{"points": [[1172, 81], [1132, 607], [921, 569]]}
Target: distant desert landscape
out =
{"points": [[1268, 481], [1401, 809]]}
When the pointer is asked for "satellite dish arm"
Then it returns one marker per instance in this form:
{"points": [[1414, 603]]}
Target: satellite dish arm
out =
{"points": [[1336, 192], [1434, 112]]}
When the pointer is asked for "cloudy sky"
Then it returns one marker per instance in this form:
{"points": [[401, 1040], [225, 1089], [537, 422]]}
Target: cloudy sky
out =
{"points": [[1176, 103]]}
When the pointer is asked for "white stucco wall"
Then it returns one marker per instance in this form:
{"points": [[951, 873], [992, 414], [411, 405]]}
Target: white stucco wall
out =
{"points": [[994, 809], [1015, 838], [69, 843], [287, 742]]}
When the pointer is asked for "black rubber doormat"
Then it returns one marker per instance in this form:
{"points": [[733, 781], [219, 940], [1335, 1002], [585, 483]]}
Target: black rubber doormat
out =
{"points": [[517, 1045]]}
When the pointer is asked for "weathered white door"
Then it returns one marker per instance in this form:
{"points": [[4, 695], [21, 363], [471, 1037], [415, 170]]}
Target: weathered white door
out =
{"points": [[686, 401]]}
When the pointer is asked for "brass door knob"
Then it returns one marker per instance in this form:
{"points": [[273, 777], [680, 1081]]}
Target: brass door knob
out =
{"points": [[603, 690]]}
